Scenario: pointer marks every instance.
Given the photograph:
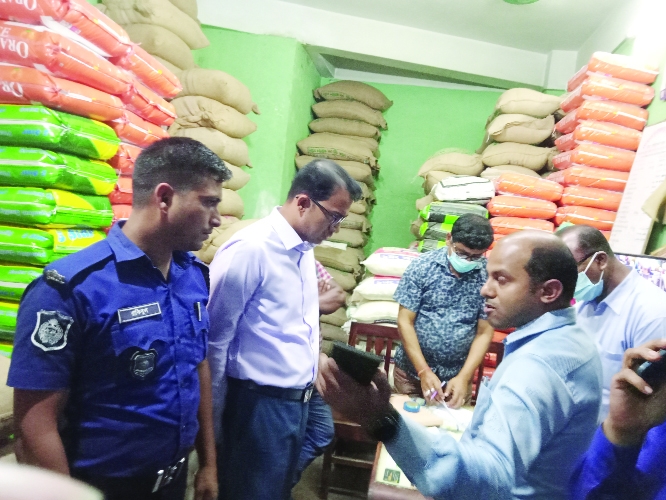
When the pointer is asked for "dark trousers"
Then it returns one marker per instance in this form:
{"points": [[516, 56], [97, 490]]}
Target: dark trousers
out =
{"points": [[262, 437]]}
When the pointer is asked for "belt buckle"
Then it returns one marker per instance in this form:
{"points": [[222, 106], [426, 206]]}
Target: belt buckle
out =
{"points": [[307, 394], [166, 476]]}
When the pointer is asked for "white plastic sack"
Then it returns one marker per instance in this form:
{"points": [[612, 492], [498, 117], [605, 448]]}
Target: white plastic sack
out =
{"points": [[375, 288], [376, 311], [389, 261], [463, 188]]}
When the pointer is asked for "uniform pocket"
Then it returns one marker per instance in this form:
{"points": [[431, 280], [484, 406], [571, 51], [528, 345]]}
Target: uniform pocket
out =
{"points": [[139, 334], [196, 339]]}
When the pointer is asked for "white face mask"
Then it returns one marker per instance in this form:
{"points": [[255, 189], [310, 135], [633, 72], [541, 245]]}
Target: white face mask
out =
{"points": [[585, 289]]}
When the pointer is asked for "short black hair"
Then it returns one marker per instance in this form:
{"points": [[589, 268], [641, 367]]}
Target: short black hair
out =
{"points": [[181, 162], [589, 239], [553, 261], [473, 231], [320, 178]]}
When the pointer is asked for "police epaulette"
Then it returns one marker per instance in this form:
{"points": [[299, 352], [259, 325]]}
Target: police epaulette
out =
{"points": [[64, 270], [204, 270]]}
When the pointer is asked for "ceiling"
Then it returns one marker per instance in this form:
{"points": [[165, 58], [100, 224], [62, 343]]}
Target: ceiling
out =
{"points": [[540, 27]]}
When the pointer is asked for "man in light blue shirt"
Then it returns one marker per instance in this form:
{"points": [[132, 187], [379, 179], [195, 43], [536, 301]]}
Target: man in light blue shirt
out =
{"points": [[539, 411], [616, 306], [264, 336]]}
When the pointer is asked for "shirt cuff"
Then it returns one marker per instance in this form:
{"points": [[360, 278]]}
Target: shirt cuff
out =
{"points": [[607, 456]]}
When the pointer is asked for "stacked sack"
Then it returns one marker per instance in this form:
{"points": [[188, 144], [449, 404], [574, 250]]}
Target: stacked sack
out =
{"points": [[599, 137], [347, 129]]}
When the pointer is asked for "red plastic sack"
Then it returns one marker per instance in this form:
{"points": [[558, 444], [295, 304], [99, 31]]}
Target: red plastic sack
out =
{"points": [[124, 160], [599, 87], [618, 66], [601, 219], [607, 134], [122, 194], [525, 185], [517, 206], [596, 155], [146, 104], [77, 16], [130, 128], [121, 212], [149, 71], [618, 113], [581, 196], [600, 178], [508, 225], [19, 85]]}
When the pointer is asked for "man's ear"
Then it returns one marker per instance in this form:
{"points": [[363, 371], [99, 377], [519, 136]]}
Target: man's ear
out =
{"points": [[551, 291], [163, 196], [303, 202], [602, 258], [449, 239]]}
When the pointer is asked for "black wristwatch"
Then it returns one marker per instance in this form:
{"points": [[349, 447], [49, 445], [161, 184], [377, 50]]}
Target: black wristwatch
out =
{"points": [[385, 426]]}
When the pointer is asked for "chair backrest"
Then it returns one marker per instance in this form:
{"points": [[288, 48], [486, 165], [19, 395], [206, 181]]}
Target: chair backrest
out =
{"points": [[379, 339]]}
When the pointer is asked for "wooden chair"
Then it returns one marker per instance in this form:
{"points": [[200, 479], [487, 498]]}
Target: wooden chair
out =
{"points": [[380, 340]]}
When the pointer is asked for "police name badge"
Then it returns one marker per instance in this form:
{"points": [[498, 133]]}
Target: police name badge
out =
{"points": [[142, 363], [50, 333]]}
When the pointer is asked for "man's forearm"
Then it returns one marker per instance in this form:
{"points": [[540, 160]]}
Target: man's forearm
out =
{"points": [[478, 350], [43, 450], [410, 342], [205, 441]]}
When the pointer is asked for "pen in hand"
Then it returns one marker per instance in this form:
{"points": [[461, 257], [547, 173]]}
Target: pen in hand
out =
{"points": [[434, 393]]}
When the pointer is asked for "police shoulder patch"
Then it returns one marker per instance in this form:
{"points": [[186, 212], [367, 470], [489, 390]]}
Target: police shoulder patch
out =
{"points": [[50, 333]]}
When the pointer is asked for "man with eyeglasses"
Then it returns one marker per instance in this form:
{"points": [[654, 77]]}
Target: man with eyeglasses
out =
{"points": [[441, 319], [621, 309], [264, 335]]}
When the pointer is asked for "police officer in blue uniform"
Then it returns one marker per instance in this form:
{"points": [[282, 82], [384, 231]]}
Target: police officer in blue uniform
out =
{"points": [[109, 367]]}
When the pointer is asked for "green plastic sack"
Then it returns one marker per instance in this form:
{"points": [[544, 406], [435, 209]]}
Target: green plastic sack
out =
{"points": [[41, 127], [435, 230], [46, 169], [428, 245], [15, 279], [8, 313], [53, 208], [26, 245], [6, 349], [69, 241], [448, 212]]}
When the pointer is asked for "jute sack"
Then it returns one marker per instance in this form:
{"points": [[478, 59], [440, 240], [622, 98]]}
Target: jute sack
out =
{"points": [[338, 318], [368, 194], [347, 260], [360, 207], [161, 13], [101, 7], [229, 149], [415, 228], [219, 86], [345, 127], [231, 204], [356, 221], [371, 143], [332, 332], [434, 177], [224, 236], [200, 111], [351, 110], [336, 147], [358, 171], [523, 129], [511, 153], [495, 172], [226, 222], [354, 91], [170, 66], [352, 237], [162, 43], [239, 178], [189, 7], [6, 401], [346, 280], [454, 162], [527, 102], [421, 203]]}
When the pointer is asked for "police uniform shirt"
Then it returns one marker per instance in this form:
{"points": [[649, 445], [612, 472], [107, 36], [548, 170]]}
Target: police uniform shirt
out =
{"points": [[105, 325]]}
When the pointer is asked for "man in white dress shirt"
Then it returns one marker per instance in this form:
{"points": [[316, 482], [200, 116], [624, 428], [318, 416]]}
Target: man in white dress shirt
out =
{"points": [[264, 338]]}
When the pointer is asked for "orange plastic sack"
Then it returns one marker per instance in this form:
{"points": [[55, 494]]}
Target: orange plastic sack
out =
{"points": [[618, 113], [607, 134], [599, 87], [124, 160], [121, 212], [618, 66], [600, 178], [149, 71], [19, 85], [518, 206], [601, 219], [130, 128], [580, 196], [142, 101], [122, 194], [508, 225], [525, 185], [496, 238], [596, 155], [77, 16], [37, 47]]}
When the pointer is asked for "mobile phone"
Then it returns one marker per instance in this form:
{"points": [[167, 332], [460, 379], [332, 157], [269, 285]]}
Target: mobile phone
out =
{"points": [[654, 373], [359, 365]]}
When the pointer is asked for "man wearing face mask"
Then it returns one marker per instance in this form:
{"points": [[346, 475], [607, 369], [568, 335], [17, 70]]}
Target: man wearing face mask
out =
{"points": [[441, 319], [621, 309]]}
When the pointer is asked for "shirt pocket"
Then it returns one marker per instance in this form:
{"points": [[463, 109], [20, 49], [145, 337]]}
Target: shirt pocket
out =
{"points": [[139, 334], [195, 339]]}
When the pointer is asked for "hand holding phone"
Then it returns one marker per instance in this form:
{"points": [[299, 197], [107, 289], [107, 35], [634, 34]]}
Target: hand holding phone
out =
{"points": [[654, 372]]}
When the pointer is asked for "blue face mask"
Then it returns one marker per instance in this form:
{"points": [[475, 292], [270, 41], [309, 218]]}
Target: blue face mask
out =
{"points": [[585, 289], [462, 265]]}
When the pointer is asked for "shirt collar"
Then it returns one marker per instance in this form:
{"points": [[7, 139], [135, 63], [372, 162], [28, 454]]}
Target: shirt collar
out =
{"points": [[618, 297], [289, 237], [549, 321]]}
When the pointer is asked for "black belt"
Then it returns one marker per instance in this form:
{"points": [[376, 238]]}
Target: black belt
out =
{"points": [[302, 395]]}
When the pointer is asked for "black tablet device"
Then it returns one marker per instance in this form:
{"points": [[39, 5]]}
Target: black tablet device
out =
{"points": [[654, 373], [359, 365]]}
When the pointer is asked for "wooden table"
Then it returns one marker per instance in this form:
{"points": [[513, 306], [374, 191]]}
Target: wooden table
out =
{"points": [[382, 491]]}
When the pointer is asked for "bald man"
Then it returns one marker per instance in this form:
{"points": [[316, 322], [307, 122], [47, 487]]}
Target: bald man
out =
{"points": [[535, 417]]}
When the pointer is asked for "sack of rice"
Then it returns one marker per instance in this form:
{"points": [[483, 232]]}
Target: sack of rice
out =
{"points": [[367, 194], [375, 288], [494, 172], [14, 279], [162, 43], [231, 204], [511, 153], [168, 65], [336, 148], [527, 102], [437, 231], [360, 207], [239, 178], [351, 237], [351, 110], [345, 127], [434, 177], [333, 333], [455, 162], [375, 311], [189, 7], [161, 13], [354, 91], [429, 245], [343, 260], [358, 171], [440, 211], [464, 188], [229, 149], [208, 254], [356, 221], [390, 261], [198, 111], [421, 203], [338, 318], [523, 129], [219, 86], [346, 280]]}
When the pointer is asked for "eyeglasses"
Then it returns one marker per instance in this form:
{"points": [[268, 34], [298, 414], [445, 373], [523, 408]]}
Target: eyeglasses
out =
{"points": [[466, 256], [586, 257], [334, 219]]}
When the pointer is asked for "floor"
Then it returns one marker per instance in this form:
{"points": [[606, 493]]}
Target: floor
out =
{"points": [[353, 478]]}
